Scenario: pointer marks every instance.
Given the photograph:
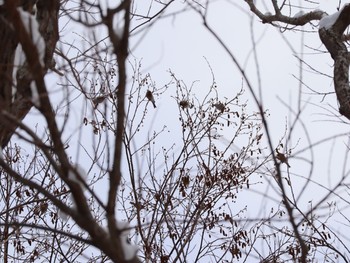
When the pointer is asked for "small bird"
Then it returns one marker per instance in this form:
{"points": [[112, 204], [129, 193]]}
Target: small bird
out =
{"points": [[184, 104], [282, 158], [99, 99], [219, 106], [150, 97]]}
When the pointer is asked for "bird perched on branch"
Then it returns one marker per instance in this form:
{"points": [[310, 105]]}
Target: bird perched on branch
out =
{"points": [[99, 99], [219, 106], [282, 158], [149, 96], [184, 104]]}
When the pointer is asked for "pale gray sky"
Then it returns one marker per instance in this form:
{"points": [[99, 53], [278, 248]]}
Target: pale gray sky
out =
{"points": [[184, 46]]}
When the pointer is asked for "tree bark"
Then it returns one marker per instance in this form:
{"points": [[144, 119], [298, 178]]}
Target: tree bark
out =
{"points": [[20, 104], [332, 38]]}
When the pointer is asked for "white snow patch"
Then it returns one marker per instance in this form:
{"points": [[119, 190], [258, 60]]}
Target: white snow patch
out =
{"points": [[82, 175], [78, 176], [118, 23], [268, 14], [32, 28], [35, 94], [20, 58], [299, 14], [214, 134], [328, 21], [129, 250], [107, 4], [63, 215], [19, 61]]}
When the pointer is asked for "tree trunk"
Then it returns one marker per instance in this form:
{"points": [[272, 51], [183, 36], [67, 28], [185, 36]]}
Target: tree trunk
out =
{"points": [[20, 103]]}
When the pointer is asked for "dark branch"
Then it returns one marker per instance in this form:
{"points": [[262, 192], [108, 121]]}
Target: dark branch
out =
{"points": [[332, 38]]}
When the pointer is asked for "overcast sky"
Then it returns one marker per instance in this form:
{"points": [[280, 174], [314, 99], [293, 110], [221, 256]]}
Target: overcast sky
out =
{"points": [[181, 43], [184, 46]]}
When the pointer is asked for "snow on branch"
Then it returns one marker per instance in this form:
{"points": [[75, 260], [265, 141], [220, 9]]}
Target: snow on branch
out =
{"points": [[35, 94], [119, 23], [128, 249], [78, 176], [299, 14], [331, 30], [328, 21], [32, 28], [299, 19]]}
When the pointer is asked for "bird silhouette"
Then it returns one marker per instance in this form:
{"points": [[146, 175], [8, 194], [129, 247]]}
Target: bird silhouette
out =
{"points": [[149, 96], [219, 106], [184, 104], [282, 158], [99, 99]]}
